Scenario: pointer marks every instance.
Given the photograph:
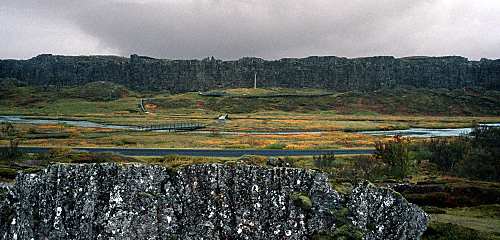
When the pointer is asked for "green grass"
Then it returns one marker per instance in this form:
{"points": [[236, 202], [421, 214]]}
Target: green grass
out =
{"points": [[275, 146], [96, 97], [61, 107], [92, 98], [97, 91], [484, 218], [480, 224], [449, 231], [266, 92], [490, 211], [388, 101]]}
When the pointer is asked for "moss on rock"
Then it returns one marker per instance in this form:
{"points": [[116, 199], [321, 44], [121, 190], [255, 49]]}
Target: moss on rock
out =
{"points": [[301, 200]]}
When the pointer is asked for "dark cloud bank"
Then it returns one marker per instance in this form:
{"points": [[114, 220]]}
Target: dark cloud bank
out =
{"points": [[231, 29]]}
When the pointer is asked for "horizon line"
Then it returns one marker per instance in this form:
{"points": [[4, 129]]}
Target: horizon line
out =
{"points": [[413, 57]]}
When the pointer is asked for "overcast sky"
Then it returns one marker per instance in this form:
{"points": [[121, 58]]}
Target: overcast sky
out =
{"points": [[230, 29]]}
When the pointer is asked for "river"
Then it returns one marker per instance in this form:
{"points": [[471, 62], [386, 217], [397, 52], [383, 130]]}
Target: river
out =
{"points": [[412, 132], [427, 132]]}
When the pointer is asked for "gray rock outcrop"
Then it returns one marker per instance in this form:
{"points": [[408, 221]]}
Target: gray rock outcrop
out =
{"points": [[208, 201], [328, 72]]}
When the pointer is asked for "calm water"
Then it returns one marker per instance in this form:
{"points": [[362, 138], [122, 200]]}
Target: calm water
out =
{"points": [[427, 132], [261, 132]]}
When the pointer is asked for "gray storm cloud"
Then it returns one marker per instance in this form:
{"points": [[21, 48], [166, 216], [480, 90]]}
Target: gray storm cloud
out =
{"points": [[231, 29]]}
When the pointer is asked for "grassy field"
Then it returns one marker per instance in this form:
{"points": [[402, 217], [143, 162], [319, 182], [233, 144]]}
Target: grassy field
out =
{"points": [[403, 102], [484, 218], [389, 101], [337, 115], [337, 135], [60, 135]]}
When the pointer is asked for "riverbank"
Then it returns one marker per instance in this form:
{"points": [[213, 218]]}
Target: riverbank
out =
{"points": [[338, 133]]}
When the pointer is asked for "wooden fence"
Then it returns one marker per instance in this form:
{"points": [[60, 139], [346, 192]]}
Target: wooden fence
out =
{"points": [[172, 127]]}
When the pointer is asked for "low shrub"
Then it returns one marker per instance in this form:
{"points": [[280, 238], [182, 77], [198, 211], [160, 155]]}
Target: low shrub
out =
{"points": [[13, 137], [252, 160], [324, 161], [369, 167], [123, 142], [59, 152], [475, 156], [395, 154], [448, 153]]}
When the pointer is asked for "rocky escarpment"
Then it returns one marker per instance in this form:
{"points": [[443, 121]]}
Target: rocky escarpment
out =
{"points": [[336, 73], [211, 201]]}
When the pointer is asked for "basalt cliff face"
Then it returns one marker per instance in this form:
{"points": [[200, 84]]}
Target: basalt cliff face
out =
{"points": [[208, 201], [335, 73]]}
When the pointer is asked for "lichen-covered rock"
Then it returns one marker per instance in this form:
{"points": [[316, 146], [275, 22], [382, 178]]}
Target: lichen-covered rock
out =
{"points": [[6, 209], [383, 212], [208, 201]]}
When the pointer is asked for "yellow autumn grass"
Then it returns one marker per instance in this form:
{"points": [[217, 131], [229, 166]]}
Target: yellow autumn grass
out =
{"points": [[338, 130]]}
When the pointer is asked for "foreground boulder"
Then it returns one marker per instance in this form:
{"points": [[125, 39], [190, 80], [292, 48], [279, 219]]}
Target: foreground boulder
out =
{"points": [[208, 201]]}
